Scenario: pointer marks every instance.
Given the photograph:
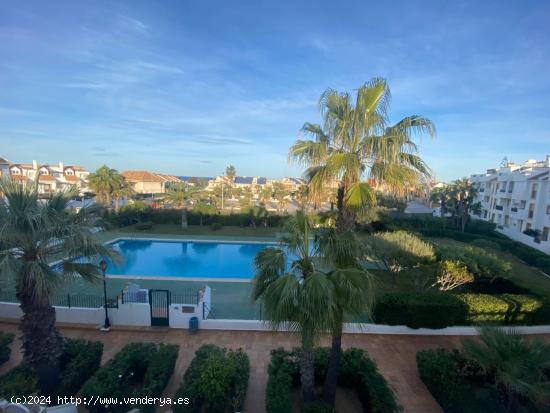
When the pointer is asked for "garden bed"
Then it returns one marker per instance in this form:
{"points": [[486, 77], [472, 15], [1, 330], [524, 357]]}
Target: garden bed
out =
{"points": [[357, 372], [138, 370], [215, 381], [79, 361]]}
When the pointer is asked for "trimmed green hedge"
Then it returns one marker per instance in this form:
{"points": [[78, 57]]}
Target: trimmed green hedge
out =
{"points": [[138, 370], [439, 310], [79, 361], [357, 371], [216, 380], [459, 385], [5, 350]]}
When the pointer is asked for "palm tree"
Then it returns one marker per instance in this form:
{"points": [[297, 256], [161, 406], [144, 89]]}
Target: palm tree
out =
{"points": [[353, 293], [356, 141], [103, 182], [294, 292], [124, 190], [34, 233], [312, 285], [519, 366], [230, 173], [178, 195]]}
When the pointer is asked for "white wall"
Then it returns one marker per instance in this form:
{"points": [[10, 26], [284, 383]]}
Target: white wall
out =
{"points": [[179, 319]]}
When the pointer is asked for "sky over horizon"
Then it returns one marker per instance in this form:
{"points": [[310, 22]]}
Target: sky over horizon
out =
{"points": [[188, 88]]}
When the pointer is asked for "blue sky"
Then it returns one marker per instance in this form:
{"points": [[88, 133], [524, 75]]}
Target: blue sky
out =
{"points": [[188, 87]]}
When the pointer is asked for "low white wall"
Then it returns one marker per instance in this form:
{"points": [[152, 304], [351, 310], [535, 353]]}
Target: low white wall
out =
{"points": [[179, 319], [130, 314], [10, 310], [77, 315]]}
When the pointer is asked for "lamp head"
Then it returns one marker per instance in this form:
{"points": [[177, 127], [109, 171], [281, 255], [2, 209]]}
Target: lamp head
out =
{"points": [[103, 265]]}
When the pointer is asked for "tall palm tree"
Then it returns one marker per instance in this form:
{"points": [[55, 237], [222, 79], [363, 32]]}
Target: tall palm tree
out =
{"points": [[519, 366], [353, 293], [103, 182], [34, 233], [356, 141], [311, 284], [124, 190], [178, 195], [294, 292]]}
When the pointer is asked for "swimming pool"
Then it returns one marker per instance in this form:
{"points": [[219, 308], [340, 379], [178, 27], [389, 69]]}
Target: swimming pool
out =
{"points": [[188, 260]]}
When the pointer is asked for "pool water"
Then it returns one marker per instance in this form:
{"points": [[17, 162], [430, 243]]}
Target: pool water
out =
{"points": [[185, 259]]}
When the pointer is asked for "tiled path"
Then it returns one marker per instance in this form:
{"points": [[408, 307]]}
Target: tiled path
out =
{"points": [[394, 354]]}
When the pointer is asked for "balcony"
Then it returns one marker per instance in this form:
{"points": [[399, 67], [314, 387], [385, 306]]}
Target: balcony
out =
{"points": [[499, 207]]}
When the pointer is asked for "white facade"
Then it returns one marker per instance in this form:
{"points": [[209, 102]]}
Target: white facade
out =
{"points": [[517, 199], [50, 178]]}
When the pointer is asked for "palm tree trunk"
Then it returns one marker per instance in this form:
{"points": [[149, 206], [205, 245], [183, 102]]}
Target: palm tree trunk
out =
{"points": [[345, 220], [329, 387], [307, 372], [42, 344]]}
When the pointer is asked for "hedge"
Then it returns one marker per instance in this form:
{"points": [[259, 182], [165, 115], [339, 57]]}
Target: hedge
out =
{"points": [[79, 361], [439, 310], [460, 385], [216, 380], [5, 350], [357, 371], [138, 370]]}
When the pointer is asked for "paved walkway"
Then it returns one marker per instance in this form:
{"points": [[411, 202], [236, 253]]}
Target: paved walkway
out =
{"points": [[394, 354]]}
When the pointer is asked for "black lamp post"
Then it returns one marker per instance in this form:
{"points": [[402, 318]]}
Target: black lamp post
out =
{"points": [[107, 323]]}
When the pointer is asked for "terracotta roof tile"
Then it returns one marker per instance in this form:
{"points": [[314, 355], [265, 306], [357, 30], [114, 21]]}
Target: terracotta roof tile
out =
{"points": [[46, 178], [71, 178], [141, 176]]}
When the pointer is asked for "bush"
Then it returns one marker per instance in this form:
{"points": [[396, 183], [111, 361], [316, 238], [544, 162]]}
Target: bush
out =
{"points": [[317, 407], [430, 310], [479, 262], [486, 244], [439, 310], [5, 350], [440, 371], [452, 275], [138, 370], [498, 285], [357, 371], [19, 381], [216, 226], [142, 226], [79, 362], [215, 380], [80, 359]]}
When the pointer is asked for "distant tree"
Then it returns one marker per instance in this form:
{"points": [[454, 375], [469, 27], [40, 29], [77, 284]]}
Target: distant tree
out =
{"points": [[178, 195], [202, 208], [245, 198], [400, 250], [124, 190], [280, 193], [230, 173], [257, 215], [518, 366], [459, 200], [103, 182], [266, 193]]}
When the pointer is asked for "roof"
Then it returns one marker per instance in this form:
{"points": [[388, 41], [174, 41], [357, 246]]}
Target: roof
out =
{"points": [[3, 160], [141, 176], [297, 181], [247, 180], [46, 178], [261, 181], [76, 168], [169, 178], [19, 178], [71, 178]]}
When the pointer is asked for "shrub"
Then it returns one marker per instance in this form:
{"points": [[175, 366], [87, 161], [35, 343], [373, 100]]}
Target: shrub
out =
{"points": [[80, 359], [400, 249], [317, 407], [479, 262], [486, 244], [144, 225], [498, 285], [430, 310], [5, 350], [79, 362], [138, 370], [439, 369], [452, 275], [216, 226], [19, 381], [216, 380], [357, 371]]}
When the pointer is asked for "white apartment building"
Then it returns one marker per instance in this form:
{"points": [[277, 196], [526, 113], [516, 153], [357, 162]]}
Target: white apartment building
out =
{"points": [[517, 199], [51, 178]]}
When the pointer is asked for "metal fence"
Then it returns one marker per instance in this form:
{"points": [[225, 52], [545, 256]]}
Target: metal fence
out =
{"points": [[185, 297], [69, 300]]}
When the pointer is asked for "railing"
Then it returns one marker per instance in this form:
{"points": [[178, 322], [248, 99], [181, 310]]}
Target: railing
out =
{"points": [[133, 297], [185, 297], [69, 300]]}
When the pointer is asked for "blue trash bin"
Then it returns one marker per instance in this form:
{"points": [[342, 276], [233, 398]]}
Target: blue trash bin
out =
{"points": [[193, 324]]}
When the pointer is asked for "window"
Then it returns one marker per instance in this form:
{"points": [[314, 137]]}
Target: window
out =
{"points": [[548, 209], [522, 205], [531, 211], [545, 231], [43, 172], [510, 187], [534, 190]]}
